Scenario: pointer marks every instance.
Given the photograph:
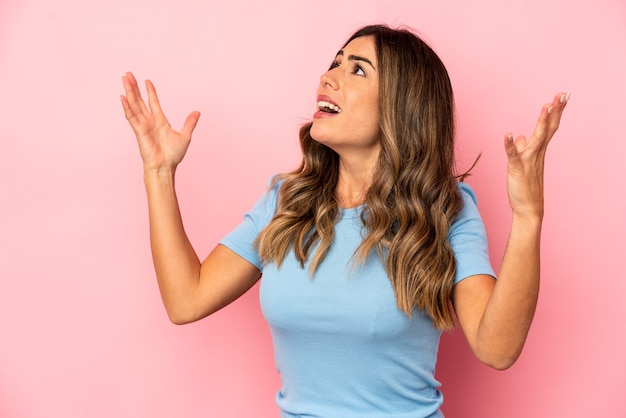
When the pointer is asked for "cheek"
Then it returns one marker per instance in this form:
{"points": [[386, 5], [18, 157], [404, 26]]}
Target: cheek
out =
{"points": [[374, 103], [373, 110]]}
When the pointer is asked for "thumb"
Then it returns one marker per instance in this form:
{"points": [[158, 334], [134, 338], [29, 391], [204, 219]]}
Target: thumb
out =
{"points": [[190, 124], [509, 146]]}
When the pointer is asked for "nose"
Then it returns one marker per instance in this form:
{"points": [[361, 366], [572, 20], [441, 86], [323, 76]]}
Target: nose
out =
{"points": [[328, 79]]}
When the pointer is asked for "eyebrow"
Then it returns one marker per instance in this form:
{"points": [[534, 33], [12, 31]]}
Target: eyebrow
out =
{"points": [[356, 58]]}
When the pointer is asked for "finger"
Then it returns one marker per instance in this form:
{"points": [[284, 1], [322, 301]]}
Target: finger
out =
{"points": [[558, 105], [130, 87], [542, 127], [132, 110], [560, 100], [133, 94], [128, 112], [548, 122], [510, 147], [190, 124], [554, 111], [131, 117], [153, 98]]}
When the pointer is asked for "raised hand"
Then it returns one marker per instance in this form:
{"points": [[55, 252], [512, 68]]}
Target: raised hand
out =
{"points": [[526, 159], [160, 145]]}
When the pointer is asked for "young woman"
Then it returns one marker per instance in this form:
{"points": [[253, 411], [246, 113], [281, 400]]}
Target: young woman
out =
{"points": [[367, 247]]}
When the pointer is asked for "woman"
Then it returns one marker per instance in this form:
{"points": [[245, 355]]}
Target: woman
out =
{"points": [[365, 247]]}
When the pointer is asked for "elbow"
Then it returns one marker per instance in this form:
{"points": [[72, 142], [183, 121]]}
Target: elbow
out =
{"points": [[178, 320], [498, 353], [500, 364], [180, 316], [499, 360]]}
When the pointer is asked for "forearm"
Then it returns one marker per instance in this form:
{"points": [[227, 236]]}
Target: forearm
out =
{"points": [[496, 315], [176, 264], [509, 312]]}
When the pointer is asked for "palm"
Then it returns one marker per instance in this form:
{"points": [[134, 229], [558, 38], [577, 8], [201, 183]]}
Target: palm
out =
{"points": [[160, 145]]}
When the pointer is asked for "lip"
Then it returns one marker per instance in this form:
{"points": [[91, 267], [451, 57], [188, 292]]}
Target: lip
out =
{"points": [[319, 114], [324, 98]]}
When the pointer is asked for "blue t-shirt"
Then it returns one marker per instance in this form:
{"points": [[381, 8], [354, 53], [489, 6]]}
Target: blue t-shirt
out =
{"points": [[341, 345]]}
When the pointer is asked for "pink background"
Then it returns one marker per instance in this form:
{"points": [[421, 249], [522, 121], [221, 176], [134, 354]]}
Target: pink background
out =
{"points": [[82, 329]]}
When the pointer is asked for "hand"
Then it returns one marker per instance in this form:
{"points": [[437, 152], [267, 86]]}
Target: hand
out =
{"points": [[527, 157], [160, 145]]}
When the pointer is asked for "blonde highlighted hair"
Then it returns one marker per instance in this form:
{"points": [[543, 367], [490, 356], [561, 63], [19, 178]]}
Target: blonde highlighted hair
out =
{"points": [[414, 196]]}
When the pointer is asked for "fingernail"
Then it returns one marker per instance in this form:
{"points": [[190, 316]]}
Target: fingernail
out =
{"points": [[509, 137], [564, 97], [552, 107]]}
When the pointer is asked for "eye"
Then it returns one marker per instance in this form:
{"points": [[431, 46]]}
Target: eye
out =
{"points": [[358, 70], [335, 64]]}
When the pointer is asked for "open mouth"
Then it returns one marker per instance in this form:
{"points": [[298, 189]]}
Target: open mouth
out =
{"points": [[327, 107]]}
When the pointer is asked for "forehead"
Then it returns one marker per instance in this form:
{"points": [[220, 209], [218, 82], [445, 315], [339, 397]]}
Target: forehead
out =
{"points": [[363, 46]]}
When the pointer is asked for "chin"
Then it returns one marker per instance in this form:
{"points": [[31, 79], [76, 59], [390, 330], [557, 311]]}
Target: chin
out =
{"points": [[319, 135]]}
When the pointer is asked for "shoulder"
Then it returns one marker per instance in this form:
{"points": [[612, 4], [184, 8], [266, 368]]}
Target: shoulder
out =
{"points": [[468, 239], [469, 211], [467, 193], [468, 228]]}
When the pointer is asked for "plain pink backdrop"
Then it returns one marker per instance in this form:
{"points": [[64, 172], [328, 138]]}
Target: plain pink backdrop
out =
{"points": [[82, 329]]}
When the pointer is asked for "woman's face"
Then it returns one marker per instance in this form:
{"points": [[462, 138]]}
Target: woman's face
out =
{"points": [[347, 98]]}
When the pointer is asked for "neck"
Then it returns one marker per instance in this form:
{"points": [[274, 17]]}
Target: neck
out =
{"points": [[356, 171], [353, 183]]}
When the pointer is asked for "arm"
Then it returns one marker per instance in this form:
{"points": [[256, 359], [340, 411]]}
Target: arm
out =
{"points": [[190, 290], [496, 315]]}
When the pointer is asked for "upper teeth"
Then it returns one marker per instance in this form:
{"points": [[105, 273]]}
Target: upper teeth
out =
{"points": [[327, 105]]}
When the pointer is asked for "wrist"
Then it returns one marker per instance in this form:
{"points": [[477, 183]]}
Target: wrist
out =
{"points": [[153, 177], [531, 213], [528, 221], [159, 172]]}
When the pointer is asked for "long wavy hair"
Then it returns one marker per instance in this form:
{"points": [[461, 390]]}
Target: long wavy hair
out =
{"points": [[414, 196]]}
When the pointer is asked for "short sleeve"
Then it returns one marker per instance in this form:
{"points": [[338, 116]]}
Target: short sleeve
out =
{"points": [[468, 239], [241, 239]]}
